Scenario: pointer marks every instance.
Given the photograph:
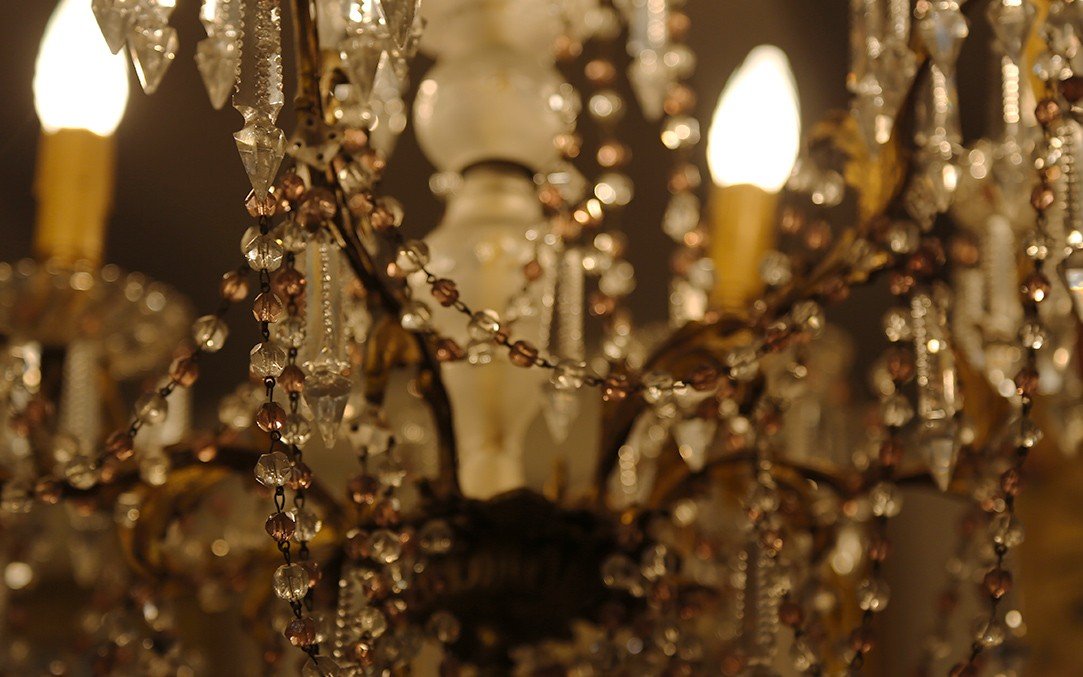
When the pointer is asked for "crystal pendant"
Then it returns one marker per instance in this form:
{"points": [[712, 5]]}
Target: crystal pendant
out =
{"points": [[934, 361], [693, 437], [262, 147], [940, 451], [153, 50], [326, 393], [943, 29], [561, 410], [115, 19], [399, 15], [650, 81], [1012, 21], [1072, 271], [219, 61], [361, 55]]}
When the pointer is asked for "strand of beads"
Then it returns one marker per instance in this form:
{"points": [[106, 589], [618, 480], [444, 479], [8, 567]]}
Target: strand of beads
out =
{"points": [[274, 469], [1005, 530], [937, 645]]}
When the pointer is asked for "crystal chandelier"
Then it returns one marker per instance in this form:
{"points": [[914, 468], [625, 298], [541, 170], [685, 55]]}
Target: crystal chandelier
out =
{"points": [[467, 458]]}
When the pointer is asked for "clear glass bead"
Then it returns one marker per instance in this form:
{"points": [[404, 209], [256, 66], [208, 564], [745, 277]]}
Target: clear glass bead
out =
{"points": [[483, 325], [297, 430], [658, 561], [614, 189], [606, 106], [619, 572], [322, 666], [290, 332], [435, 538], [569, 375], [897, 325], [896, 410], [81, 473], [1037, 246], [1033, 335], [385, 546], [290, 582], [412, 256], [680, 131], [873, 594], [809, 316], [775, 268], [371, 622], [266, 360], [618, 281], [657, 387], [1006, 530], [209, 333], [743, 363], [308, 524], [990, 632], [902, 237], [151, 408], [263, 252], [415, 316], [802, 656], [1027, 434], [885, 500], [292, 235], [273, 469]]}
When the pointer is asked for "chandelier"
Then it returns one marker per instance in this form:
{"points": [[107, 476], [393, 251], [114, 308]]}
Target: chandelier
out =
{"points": [[459, 454]]}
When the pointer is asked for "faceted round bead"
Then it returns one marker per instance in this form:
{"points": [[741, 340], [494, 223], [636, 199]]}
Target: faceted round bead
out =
{"points": [[263, 253], [896, 410], [900, 364], [484, 325], [444, 627], [266, 360], [808, 316], [997, 582], [873, 595], [412, 256], [569, 375], [81, 473], [1036, 287], [1011, 482], [301, 632], [184, 371], [292, 379], [296, 430], [1047, 111], [862, 640], [657, 388], [268, 307], [1043, 197], [415, 316], [290, 332], [120, 445], [615, 388], [280, 526], [385, 546], [292, 235], [308, 524], [1006, 530], [233, 287], [657, 562], [435, 538], [445, 291], [990, 633], [1028, 434], [371, 622], [151, 408], [447, 350], [885, 500], [273, 469], [791, 614], [897, 325], [300, 476], [1037, 246], [522, 354], [1033, 335], [209, 333], [1026, 381], [289, 282], [322, 666], [291, 582], [270, 417]]}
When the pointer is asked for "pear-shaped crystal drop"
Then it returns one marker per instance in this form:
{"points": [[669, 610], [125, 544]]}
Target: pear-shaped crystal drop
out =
{"points": [[941, 451], [114, 18], [650, 79], [943, 29], [561, 410], [1072, 271], [1011, 21], [218, 61], [361, 56], [262, 147], [399, 16], [326, 393], [153, 50], [693, 438]]}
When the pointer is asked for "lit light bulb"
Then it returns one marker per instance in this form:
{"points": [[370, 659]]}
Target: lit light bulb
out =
{"points": [[78, 83], [756, 129]]}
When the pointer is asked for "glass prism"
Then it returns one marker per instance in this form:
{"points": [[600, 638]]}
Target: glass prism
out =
{"points": [[650, 79], [115, 19], [261, 146], [361, 57], [399, 15], [219, 63], [326, 393], [153, 50], [941, 451]]}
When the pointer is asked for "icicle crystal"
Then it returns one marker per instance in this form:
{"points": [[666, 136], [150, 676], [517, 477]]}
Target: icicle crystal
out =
{"points": [[938, 399], [259, 99], [218, 57]]}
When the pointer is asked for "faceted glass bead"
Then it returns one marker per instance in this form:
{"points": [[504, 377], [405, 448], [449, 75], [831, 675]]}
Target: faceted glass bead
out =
{"points": [[445, 291], [619, 572], [153, 49], [1033, 335], [415, 316], [885, 500], [322, 666], [443, 626], [308, 524], [990, 633], [412, 256], [680, 131], [266, 360], [897, 325], [435, 538], [873, 595], [569, 375], [273, 469], [1006, 530], [896, 410], [614, 189], [292, 235], [115, 19], [263, 252], [270, 417], [268, 307], [151, 408], [209, 333], [483, 325], [81, 473], [618, 281], [606, 106], [658, 561], [682, 215], [1028, 434], [385, 546], [261, 146], [290, 332], [775, 268], [371, 622], [297, 430], [291, 582]]}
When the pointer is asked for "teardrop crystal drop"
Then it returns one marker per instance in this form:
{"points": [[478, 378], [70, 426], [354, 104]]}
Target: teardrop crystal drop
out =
{"points": [[261, 146], [153, 50]]}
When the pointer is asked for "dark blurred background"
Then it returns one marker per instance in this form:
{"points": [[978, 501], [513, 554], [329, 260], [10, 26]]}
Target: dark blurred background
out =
{"points": [[178, 210]]}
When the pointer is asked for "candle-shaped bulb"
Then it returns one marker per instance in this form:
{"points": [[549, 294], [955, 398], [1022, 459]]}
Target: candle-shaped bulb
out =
{"points": [[756, 129], [78, 83]]}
